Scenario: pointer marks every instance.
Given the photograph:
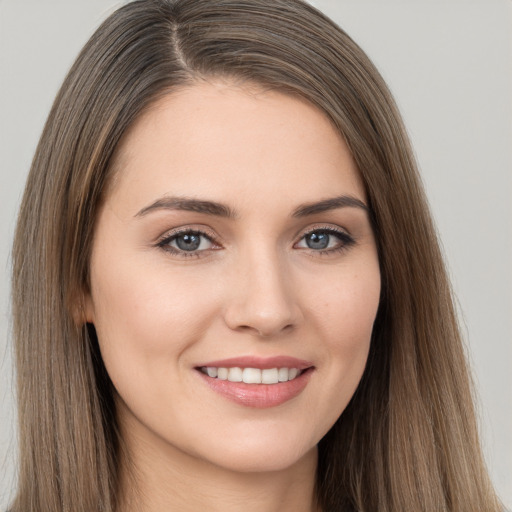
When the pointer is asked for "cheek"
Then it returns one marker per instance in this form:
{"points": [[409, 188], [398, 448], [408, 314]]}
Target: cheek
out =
{"points": [[343, 316], [345, 309], [146, 316]]}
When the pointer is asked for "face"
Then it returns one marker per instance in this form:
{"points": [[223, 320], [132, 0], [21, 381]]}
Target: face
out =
{"points": [[234, 278]]}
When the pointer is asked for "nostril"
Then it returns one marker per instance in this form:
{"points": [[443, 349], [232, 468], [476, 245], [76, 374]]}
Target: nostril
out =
{"points": [[267, 331], [264, 305]]}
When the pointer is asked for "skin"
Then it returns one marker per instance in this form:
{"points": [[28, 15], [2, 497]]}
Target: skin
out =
{"points": [[253, 287]]}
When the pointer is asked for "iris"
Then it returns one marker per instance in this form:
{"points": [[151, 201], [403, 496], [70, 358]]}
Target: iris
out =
{"points": [[188, 241], [318, 240]]}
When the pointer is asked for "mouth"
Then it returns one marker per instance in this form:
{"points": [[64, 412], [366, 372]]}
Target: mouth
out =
{"points": [[252, 375], [255, 382]]}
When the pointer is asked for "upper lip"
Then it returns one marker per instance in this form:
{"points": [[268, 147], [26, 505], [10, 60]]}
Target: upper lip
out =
{"points": [[259, 362]]}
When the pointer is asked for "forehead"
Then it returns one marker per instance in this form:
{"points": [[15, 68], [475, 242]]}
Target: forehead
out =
{"points": [[220, 141]]}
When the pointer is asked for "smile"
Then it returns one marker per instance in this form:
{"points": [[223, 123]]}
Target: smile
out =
{"points": [[252, 375], [257, 382]]}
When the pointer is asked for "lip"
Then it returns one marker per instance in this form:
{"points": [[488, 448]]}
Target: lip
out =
{"points": [[259, 396], [263, 363]]}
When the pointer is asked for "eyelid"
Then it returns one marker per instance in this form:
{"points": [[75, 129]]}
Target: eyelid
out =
{"points": [[165, 239], [189, 228], [323, 227], [346, 238]]}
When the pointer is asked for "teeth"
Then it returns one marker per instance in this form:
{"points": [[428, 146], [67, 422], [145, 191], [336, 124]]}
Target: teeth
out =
{"points": [[235, 375], [222, 373], [270, 376], [211, 371], [252, 375]]}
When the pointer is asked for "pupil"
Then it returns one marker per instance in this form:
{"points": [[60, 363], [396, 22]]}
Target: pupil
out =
{"points": [[188, 242], [317, 240]]}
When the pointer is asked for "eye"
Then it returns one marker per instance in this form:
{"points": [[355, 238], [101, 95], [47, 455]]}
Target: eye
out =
{"points": [[325, 240], [187, 243]]}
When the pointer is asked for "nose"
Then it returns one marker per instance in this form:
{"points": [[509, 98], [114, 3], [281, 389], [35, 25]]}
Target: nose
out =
{"points": [[262, 301]]}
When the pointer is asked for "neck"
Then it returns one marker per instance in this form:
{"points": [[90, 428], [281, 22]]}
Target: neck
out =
{"points": [[164, 479]]}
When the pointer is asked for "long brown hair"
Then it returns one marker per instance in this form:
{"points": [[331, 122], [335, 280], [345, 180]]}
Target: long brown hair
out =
{"points": [[408, 439]]}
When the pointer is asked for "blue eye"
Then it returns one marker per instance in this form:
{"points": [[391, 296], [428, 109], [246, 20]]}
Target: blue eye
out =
{"points": [[186, 242], [318, 240], [193, 243], [326, 240]]}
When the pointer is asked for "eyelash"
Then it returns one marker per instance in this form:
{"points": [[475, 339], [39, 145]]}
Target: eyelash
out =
{"points": [[168, 238], [346, 241]]}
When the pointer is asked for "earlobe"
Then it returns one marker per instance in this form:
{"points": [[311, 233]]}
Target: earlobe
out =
{"points": [[88, 308], [83, 309]]}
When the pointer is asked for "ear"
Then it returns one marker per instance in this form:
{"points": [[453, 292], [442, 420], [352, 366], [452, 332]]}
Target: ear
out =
{"points": [[82, 308]]}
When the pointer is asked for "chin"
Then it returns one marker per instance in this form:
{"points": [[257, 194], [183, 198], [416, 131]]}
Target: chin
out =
{"points": [[260, 456]]}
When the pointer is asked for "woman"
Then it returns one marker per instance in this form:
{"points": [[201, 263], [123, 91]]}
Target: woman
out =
{"points": [[234, 282]]}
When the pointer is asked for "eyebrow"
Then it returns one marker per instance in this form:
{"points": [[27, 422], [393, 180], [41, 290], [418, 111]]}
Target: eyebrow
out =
{"points": [[222, 210], [329, 204], [189, 205]]}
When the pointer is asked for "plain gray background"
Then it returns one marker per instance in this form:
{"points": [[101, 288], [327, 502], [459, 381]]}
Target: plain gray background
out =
{"points": [[448, 64]]}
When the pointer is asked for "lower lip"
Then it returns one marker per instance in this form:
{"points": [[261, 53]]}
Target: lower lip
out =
{"points": [[259, 395]]}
